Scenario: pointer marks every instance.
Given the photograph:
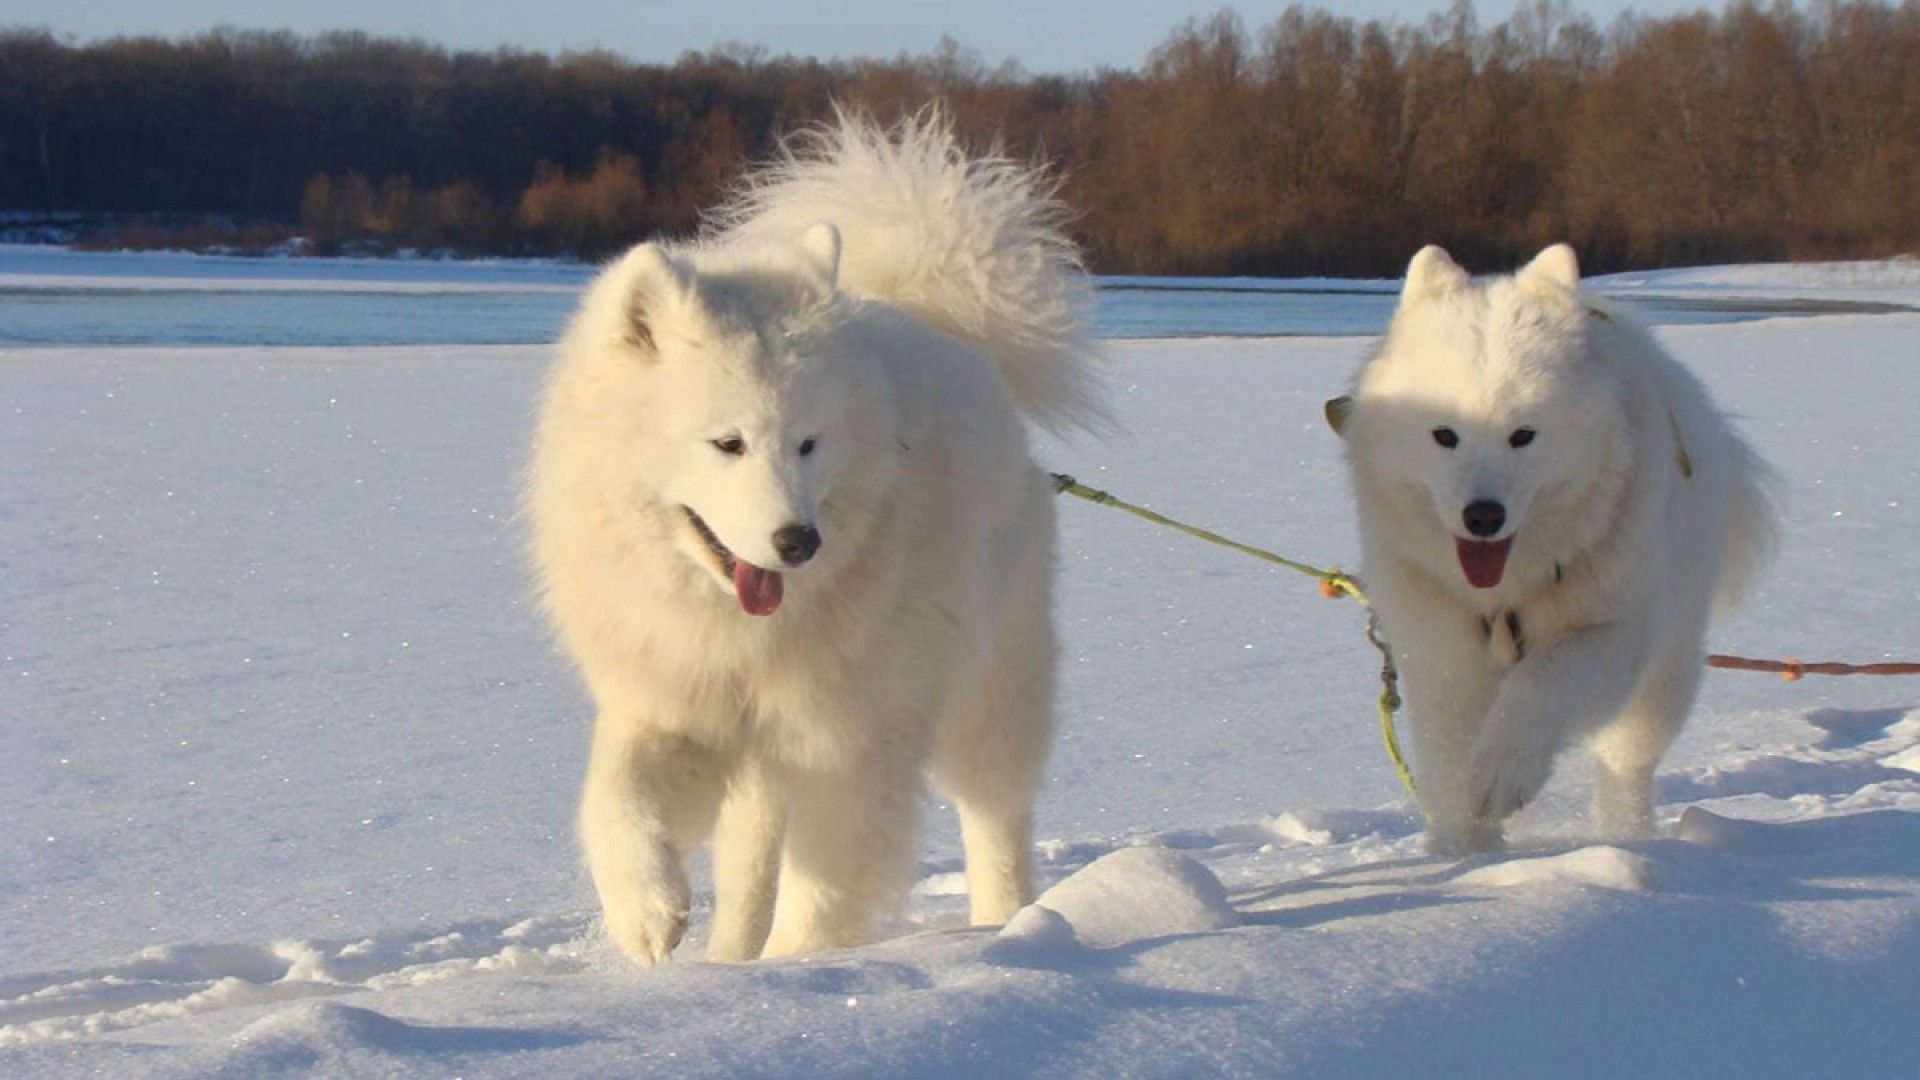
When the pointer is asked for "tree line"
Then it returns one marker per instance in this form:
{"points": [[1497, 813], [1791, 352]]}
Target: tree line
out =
{"points": [[1314, 144]]}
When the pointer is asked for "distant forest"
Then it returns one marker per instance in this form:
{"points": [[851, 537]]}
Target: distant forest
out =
{"points": [[1314, 144]]}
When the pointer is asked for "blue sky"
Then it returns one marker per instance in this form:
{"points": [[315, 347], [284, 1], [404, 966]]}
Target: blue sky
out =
{"points": [[1043, 35]]}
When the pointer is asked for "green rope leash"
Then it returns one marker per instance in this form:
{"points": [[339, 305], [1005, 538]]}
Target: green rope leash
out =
{"points": [[1333, 583]]}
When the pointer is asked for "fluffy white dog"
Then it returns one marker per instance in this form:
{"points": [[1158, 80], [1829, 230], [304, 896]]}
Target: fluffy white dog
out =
{"points": [[1550, 507], [786, 522]]}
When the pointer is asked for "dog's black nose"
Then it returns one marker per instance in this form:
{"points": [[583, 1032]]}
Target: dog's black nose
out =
{"points": [[1484, 517], [796, 543]]}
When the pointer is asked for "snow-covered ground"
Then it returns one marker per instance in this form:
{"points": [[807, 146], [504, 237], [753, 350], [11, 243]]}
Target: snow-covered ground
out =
{"points": [[289, 767]]}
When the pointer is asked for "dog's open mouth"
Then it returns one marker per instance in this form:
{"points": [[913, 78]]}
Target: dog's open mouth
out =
{"points": [[1483, 561], [759, 591]]}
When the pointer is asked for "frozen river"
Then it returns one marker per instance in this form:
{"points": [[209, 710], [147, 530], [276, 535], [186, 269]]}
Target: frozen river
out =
{"points": [[52, 296]]}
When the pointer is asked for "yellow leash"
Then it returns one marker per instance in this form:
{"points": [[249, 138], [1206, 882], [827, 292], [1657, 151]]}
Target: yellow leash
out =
{"points": [[1333, 584]]}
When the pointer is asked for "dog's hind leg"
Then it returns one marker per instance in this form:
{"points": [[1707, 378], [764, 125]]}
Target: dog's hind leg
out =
{"points": [[849, 848], [998, 840], [990, 759], [1628, 750], [746, 863], [650, 799], [990, 756]]}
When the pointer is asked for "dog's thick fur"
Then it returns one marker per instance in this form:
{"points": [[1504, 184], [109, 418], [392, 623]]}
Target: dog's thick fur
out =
{"points": [[1612, 505], [840, 363]]}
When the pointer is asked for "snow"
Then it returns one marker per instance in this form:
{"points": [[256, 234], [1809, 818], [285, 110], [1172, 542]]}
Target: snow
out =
{"points": [[290, 763], [1602, 867], [1132, 895]]}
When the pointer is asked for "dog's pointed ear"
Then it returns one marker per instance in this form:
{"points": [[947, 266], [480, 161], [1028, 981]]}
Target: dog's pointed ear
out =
{"points": [[820, 246], [1431, 274], [1338, 410], [1556, 267], [655, 279]]}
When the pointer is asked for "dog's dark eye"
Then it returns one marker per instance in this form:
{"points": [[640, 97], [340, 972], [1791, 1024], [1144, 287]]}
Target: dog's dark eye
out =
{"points": [[1445, 437], [1520, 437], [806, 447], [731, 445]]}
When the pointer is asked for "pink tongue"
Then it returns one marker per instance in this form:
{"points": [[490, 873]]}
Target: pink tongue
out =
{"points": [[759, 590], [1483, 561]]}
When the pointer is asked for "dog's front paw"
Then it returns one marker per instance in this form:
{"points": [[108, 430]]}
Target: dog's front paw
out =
{"points": [[1454, 839], [1508, 770], [648, 926]]}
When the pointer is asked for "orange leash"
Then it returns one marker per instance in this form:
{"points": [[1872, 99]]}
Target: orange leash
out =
{"points": [[1793, 670]]}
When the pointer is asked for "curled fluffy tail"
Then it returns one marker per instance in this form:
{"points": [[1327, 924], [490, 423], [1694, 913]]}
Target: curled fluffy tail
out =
{"points": [[972, 245], [1752, 526]]}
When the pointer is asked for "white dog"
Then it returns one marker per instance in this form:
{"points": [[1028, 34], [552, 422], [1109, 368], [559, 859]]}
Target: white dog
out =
{"points": [[1549, 507], [786, 522]]}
